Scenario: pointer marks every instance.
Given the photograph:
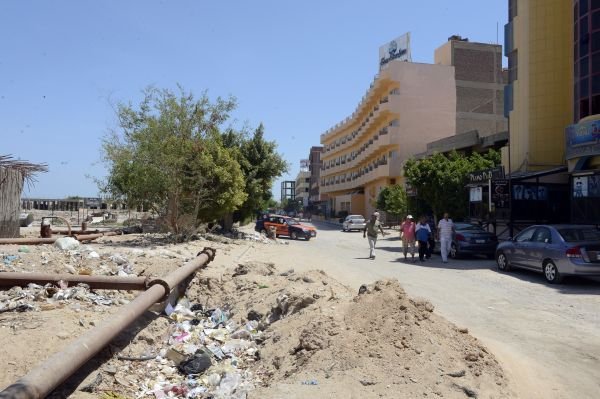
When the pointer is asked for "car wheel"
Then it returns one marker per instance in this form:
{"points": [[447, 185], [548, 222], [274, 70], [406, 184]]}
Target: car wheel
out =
{"points": [[453, 251], [344, 229], [502, 262], [551, 273], [307, 238], [294, 235]]}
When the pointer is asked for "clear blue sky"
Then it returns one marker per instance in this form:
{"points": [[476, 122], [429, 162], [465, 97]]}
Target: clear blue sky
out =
{"points": [[299, 67]]}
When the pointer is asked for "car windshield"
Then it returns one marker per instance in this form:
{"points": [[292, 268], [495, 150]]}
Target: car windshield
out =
{"points": [[468, 227], [579, 234], [356, 218], [292, 222]]}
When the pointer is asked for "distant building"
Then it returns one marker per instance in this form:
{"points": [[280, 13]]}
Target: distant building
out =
{"points": [[479, 84], [303, 187], [288, 190], [480, 80], [314, 167]]}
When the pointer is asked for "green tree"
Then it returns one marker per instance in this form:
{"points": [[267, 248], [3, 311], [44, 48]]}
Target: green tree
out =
{"points": [[260, 164], [440, 180], [168, 154], [393, 200]]}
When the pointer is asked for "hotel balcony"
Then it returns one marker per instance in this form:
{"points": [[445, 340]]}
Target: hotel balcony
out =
{"points": [[382, 141], [378, 114], [382, 171]]}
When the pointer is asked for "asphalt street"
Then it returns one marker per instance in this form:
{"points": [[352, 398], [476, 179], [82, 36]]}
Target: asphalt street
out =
{"points": [[546, 336]]}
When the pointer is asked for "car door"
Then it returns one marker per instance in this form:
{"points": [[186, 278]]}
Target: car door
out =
{"points": [[282, 227], [521, 243], [537, 247]]}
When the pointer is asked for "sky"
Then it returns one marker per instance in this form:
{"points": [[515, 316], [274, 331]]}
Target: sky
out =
{"points": [[299, 67]]}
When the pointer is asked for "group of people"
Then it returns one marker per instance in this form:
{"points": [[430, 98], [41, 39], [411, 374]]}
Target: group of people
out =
{"points": [[421, 235]]}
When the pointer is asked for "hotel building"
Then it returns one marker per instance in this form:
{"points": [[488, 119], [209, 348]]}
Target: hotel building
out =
{"points": [[407, 105]]}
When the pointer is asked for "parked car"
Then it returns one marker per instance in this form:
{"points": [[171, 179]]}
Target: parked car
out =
{"points": [[354, 222], [471, 239], [555, 250], [285, 226]]}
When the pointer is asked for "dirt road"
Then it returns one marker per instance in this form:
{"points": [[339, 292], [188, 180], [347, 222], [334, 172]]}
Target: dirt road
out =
{"points": [[547, 337]]}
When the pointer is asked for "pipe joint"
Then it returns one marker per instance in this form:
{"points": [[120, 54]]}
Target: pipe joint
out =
{"points": [[162, 283], [210, 253]]}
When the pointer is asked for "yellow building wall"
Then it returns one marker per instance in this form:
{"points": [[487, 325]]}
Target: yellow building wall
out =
{"points": [[358, 205], [543, 91]]}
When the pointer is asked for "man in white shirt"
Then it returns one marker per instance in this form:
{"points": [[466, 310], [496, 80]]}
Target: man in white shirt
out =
{"points": [[444, 231]]}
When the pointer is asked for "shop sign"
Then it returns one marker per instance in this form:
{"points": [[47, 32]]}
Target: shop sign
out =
{"points": [[529, 192], [476, 194], [500, 194], [397, 49], [482, 176], [410, 190], [582, 139], [586, 186]]}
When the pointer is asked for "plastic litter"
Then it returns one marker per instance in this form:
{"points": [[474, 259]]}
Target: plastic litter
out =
{"points": [[66, 243], [196, 364], [25, 249]]}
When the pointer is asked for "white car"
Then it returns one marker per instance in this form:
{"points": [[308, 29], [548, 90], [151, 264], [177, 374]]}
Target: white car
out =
{"points": [[354, 222]]}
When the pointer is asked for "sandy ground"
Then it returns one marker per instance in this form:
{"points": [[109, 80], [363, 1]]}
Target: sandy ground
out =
{"points": [[320, 337], [385, 343]]}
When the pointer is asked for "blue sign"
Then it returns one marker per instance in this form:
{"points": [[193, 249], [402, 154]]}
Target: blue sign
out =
{"points": [[582, 139]]}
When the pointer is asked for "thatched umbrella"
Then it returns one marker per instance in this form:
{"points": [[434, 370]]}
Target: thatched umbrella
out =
{"points": [[13, 174]]}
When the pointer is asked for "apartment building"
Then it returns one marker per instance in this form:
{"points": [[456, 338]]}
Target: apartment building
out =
{"points": [[314, 167], [303, 187], [407, 105]]}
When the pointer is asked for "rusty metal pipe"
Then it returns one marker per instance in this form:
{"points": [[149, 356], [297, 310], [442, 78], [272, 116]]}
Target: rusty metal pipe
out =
{"points": [[11, 279], [40, 381], [51, 240], [28, 241], [90, 237]]}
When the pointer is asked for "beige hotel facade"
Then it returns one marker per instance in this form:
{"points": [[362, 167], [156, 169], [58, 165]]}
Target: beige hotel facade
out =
{"points": [[407, 106]]}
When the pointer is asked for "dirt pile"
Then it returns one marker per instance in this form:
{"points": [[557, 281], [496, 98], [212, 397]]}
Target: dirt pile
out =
{"points": [[323, 339]]}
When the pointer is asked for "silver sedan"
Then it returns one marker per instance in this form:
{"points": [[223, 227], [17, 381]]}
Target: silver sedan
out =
{"points": [[554, 250], [354, 222]]}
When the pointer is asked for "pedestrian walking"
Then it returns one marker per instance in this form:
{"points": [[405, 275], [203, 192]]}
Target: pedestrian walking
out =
{"points": [[407, 235], [423, 232], [371, 231], [445, 231], [431, 240]]}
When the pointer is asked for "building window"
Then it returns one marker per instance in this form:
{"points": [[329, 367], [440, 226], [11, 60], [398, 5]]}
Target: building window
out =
{"points": [[584, 108], [513, 65], [584, 67], [512, 9], [596, 105], [583, 7]]}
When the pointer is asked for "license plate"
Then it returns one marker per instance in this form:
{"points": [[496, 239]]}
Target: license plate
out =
{"points": [[480, 241]]}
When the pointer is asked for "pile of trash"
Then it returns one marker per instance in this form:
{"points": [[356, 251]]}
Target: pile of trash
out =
{"points": [[206, 354], [35, 297]]}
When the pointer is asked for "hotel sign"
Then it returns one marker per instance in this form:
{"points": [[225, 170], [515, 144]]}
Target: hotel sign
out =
{"points": [[482, 176], [397, 49], [582, 139]]}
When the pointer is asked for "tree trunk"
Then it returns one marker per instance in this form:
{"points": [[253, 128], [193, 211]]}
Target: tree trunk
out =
{"points": [[11, 185], [228, 222]]}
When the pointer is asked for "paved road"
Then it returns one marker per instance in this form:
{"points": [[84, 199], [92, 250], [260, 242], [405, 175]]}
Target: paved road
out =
{"points": [[546, 336]]}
